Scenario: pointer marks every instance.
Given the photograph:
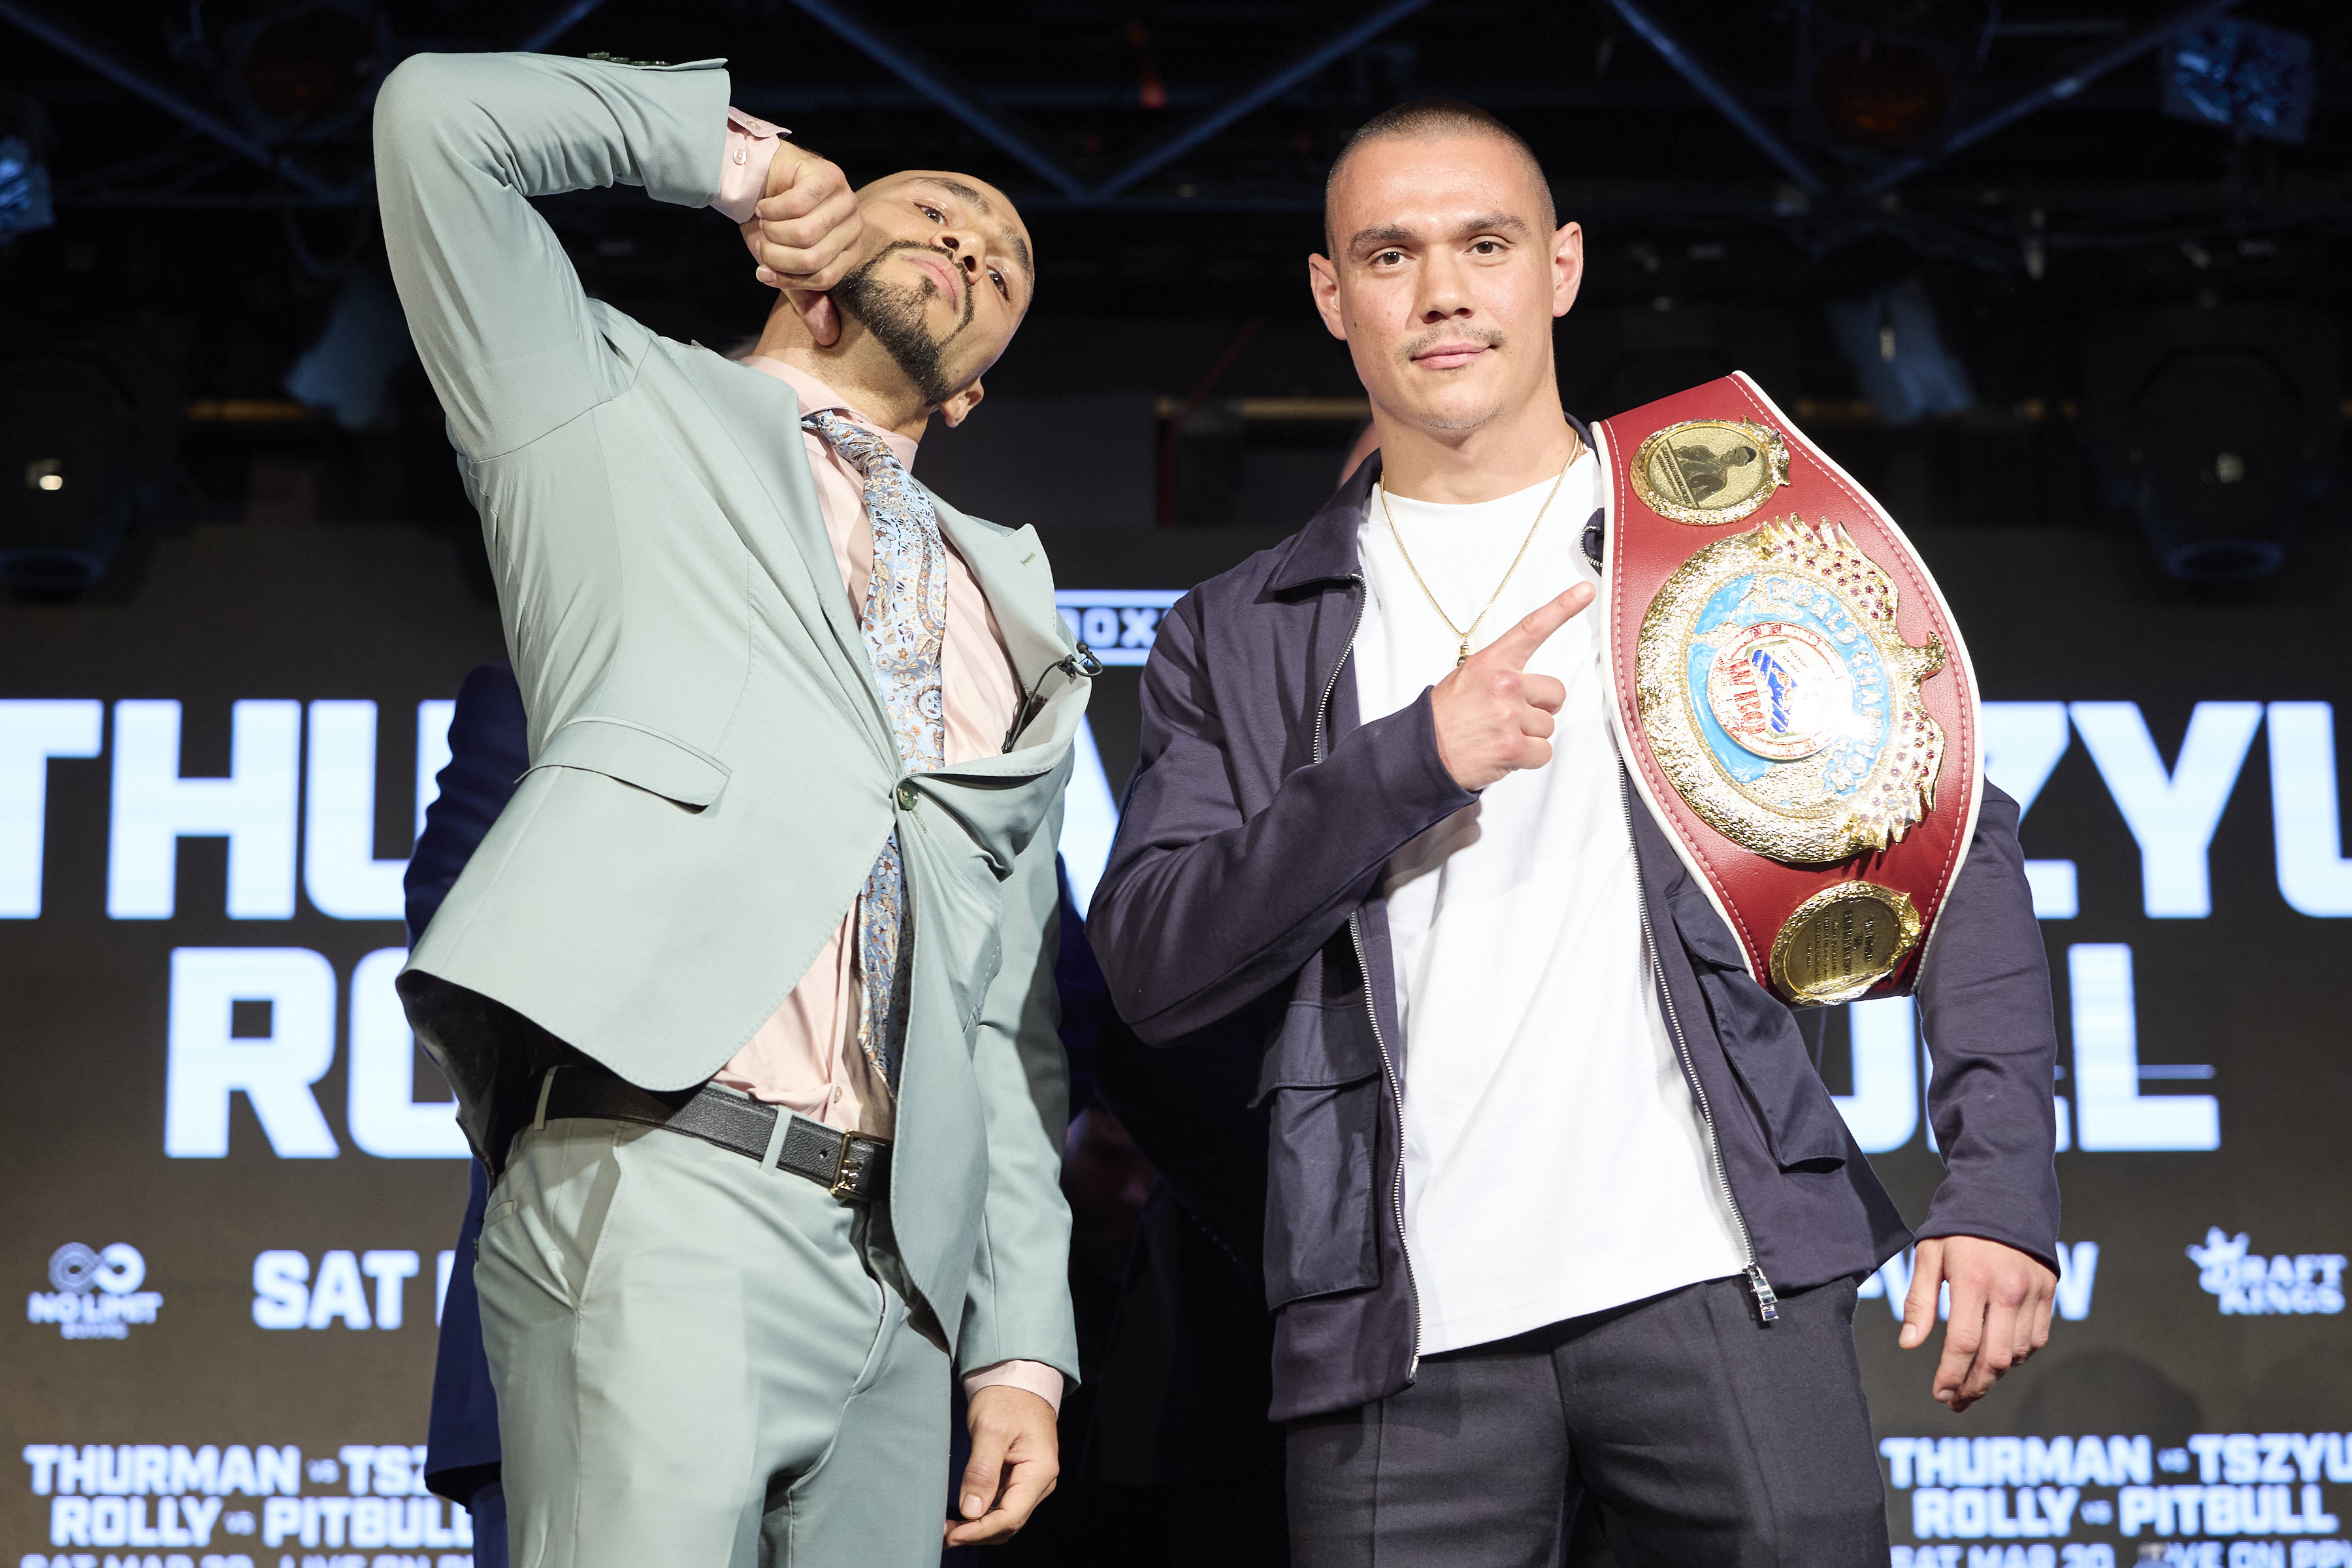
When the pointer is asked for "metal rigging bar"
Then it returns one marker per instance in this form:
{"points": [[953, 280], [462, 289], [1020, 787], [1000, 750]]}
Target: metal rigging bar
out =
{"points": [[1350, 38], [2055, 88], [934, 83], [566, 17], [1718, 92], [139, 84]]}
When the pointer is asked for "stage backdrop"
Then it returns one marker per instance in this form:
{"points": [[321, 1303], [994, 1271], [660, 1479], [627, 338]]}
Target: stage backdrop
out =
{"points": [[233, 1185]]}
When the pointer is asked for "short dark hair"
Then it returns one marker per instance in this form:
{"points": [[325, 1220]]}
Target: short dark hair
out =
{"points": [[1428, 120]]}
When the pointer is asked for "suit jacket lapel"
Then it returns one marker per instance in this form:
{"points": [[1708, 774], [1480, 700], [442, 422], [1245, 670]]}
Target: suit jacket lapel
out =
{"points": [[762, 416], [1011, 571]]}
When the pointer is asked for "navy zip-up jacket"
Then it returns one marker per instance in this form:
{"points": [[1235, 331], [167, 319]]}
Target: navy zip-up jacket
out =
{"points": [[489, 749], [1243, 907]]}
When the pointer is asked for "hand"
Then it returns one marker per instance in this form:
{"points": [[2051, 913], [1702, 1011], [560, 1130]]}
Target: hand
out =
{"points": [[1015, 1460], [2001, 1313], [1493, 717], [805, 233]]}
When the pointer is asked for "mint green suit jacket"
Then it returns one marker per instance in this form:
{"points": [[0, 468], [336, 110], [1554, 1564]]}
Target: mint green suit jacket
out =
{"points": [[712, 773]]}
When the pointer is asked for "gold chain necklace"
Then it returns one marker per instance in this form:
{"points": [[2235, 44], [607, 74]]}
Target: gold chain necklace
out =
{"points": [[1465, 632]]}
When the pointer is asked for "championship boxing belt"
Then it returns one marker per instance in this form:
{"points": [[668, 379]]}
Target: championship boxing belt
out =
{"points": [[1792, 696]]}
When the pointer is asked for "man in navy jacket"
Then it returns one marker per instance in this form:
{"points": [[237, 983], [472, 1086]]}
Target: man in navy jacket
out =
{"points": [[488, 752], [1410, 879]]}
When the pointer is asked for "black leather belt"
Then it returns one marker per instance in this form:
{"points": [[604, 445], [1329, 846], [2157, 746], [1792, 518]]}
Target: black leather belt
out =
{"points": [[846, 1164]]}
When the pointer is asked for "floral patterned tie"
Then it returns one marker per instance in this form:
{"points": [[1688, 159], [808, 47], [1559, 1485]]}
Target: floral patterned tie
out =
{"points": [[905, 622]]}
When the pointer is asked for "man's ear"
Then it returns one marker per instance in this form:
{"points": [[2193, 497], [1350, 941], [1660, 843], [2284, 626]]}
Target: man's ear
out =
{"points": [[958, 409], [1567, 266], [1323, 282]]}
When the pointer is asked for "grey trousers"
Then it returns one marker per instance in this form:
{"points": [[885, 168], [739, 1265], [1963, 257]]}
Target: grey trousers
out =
{"points": [[1703, 1435], [698, 1363]]}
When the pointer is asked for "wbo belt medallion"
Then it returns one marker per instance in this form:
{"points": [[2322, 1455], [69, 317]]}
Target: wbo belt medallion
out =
{"points": [[1709, 472], [1779, 701], [1794, 699], [1842, 942]]}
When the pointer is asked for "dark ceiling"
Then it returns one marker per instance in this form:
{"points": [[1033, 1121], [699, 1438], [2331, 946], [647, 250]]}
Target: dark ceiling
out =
{"points": [[1170, 155]]}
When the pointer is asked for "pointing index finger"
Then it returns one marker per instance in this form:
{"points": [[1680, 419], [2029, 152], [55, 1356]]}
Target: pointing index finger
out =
{"points": [[1516, 647]]}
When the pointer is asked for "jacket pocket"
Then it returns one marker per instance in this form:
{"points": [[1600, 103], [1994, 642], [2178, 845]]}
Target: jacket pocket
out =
{"points": [[638, 756], [1323, 1039], [1759, 1037], [1704, 935], [1322, 1203]]}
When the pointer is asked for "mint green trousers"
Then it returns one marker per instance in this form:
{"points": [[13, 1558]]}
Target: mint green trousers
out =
{"points": [[698, 1365]]}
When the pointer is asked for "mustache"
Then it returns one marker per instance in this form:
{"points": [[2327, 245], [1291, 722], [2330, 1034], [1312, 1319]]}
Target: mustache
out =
{"points": [[895, 245], [1484, 337], [893, 313]]}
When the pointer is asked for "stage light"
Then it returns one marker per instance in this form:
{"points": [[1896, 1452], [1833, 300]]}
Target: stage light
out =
{"points": [[1878, 94], [24, 170], [1880, 74], [346, 371], [1890, 340], [305, 66], [71, 432], [2216, 428], [2242, 76]]}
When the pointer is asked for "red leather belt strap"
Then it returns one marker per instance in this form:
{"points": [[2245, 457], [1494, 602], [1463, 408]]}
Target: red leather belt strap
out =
{"points": [[1755, 890]]}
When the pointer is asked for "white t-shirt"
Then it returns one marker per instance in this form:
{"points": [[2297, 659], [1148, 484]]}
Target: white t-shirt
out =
{"points": [[1554, 1163]]}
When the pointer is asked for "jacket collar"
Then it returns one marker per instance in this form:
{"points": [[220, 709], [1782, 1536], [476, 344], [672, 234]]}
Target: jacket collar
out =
{"points": [[760, 414], [1325, 550], [1010, 566]]}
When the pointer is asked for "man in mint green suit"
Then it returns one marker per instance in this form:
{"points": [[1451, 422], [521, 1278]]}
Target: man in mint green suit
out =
{"points": [[780, 872]]}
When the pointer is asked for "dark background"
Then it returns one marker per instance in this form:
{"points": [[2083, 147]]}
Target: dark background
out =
{"points": [[2102, 300]]}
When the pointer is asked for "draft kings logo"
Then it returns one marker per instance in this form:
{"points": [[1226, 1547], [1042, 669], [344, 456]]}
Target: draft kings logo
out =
{"points": [[2251, 1285], [95, 1293]]}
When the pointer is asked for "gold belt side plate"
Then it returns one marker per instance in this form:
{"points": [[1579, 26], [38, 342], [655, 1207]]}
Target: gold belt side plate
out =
{"points": [[1780, 701], [1709, 472], [1842, 942]]}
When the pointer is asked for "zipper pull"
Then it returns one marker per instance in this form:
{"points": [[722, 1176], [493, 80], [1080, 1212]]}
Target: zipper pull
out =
{"points": [[1767, 1305]]}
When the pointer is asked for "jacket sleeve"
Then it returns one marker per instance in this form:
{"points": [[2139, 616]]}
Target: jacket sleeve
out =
{"points": [[1018, 1308], [1984, 1009], [462, 142], [488, 750], [1202, 908]]}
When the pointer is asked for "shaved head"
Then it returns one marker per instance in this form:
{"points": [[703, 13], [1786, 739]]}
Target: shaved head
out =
{"points": [[1447, 268], [1434, 120]]}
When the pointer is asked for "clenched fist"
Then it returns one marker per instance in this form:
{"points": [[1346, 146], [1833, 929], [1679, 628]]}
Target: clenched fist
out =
{"points": [[805, 233], [1492, 717]]}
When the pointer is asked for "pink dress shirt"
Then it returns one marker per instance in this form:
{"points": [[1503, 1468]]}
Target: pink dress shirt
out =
{"points": [[805, 1056]]}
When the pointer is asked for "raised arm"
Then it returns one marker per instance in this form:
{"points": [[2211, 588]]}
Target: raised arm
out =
{"points": [[462, 142]]}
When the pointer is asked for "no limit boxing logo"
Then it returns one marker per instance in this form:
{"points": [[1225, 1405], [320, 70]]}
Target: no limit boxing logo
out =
{"points": [[96, 1293]]}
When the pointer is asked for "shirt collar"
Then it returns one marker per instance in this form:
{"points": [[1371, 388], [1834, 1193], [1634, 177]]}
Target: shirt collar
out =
{"points": [[815, 397]]}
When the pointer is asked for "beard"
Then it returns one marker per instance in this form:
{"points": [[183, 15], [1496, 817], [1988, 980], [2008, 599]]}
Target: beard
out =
{"points": [[894, 313]]}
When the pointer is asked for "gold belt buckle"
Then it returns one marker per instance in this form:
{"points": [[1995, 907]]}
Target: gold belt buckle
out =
{"points": [[848, 1171]]}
